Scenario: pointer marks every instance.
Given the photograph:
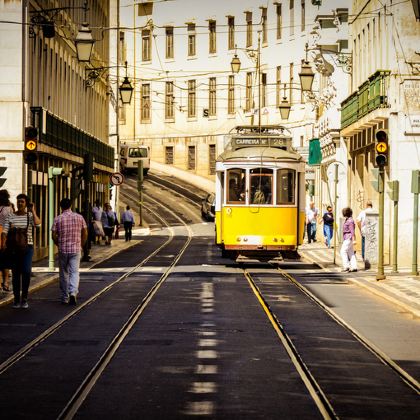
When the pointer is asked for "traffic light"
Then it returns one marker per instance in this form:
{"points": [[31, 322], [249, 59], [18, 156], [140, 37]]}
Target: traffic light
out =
{"points": [[30, 155], [2, 171], [394, 190], [381, 148], [88, 167]]}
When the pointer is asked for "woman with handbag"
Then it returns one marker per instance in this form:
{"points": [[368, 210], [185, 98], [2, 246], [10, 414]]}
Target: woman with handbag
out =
{"points": [[17, 235], [5, 210]]}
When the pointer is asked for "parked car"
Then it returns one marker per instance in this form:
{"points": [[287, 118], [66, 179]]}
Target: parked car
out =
{"points": [[208, 206]]}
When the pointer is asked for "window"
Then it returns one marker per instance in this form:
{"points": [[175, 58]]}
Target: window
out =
{"points": [[292, 17], [279, 21], [145, 103], [137, 152], [169, 42], [146, 45], [191, 40], [264, 24], [212, 159], [286, 186], [235, 186], [212, 37], [263, 90], [192, 104], [291, 83], [231, 95], [248, 17], [191, 158], [169, 100], [261, 186], [212, 96], [248, 100], [302, 16], [123, 49], [169, 155], [231, 33], [278, 85]]}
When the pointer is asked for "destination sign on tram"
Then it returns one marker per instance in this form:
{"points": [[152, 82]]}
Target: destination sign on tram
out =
{"points": [[280, 142]]}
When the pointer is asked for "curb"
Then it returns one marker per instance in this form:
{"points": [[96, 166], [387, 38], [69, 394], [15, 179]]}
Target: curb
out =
{"points": [[373, 289]]}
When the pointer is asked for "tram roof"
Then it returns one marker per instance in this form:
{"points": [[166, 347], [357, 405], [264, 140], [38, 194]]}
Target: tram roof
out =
{"points": [[257, 153]]}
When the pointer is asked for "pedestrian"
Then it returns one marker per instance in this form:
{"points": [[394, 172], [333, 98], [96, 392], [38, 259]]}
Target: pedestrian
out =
{"points": [[18, 235], [328, 219], [108, 222], [347, 249], [361, 223], [311, 218], [5, 210], [128, 222], [97, 222], [69, 233]]}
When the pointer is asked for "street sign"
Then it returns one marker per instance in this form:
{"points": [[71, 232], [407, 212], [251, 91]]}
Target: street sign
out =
{"points": [[117, 178]]}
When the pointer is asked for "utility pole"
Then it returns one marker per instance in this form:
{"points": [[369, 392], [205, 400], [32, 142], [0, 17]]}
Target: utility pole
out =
{"points": [[335, 225], [140, 189], [380, 274], [415, 189]]}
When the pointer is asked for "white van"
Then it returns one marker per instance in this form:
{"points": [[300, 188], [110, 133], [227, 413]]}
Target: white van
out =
{"points": [[130, 154]]}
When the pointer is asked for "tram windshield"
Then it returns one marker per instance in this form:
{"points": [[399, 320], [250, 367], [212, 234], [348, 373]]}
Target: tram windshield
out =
{"points": [[235, 186], [261, 183], [286, 186], [137, 152]]}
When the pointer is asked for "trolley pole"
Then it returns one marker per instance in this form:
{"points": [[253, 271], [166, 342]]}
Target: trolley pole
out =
{"points": [[380, 274], [415, 189], [335, 225], [140, 189]]}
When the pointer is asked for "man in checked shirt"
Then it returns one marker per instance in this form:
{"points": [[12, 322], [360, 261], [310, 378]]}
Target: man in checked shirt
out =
{"points": [[69, 233]]}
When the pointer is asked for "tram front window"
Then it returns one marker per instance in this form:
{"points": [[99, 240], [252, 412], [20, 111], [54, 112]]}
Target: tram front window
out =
{"points": [[261, 182], [235, 186], [286, 186], [137, 152]]}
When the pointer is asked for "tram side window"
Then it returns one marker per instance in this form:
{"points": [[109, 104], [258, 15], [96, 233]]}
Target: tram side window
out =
{"points": [[286, 186], [235, 186], [261, 182]]}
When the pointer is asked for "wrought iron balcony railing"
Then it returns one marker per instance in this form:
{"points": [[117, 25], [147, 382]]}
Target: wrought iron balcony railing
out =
{"points": [[371, 95]]}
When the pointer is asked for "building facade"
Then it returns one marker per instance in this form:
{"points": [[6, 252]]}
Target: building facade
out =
{"points": [[384, 94], [186, 97], [45, 86]]}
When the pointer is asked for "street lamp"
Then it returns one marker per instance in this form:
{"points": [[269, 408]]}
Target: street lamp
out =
{"points": [[235, 64], [284, 106], [126, 89], [306, 74], [84, 41]]}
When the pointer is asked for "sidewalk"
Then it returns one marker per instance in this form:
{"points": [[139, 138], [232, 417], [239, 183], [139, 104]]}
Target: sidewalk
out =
{"points": [[402, 289], [42, 276]]}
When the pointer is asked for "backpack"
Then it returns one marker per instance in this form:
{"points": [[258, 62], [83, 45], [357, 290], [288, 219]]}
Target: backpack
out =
{"points": [[17, 238]]}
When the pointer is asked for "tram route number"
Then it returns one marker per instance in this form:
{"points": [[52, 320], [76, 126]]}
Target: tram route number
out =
{"points": [[117, 178]]}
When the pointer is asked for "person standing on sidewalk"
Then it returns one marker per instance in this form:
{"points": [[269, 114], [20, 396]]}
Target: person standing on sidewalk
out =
{"points": [[5, 210], [361, 223], [109, 220], [69, 233], [328, 219], [128, 222], [348, 256], [97, 223], [21, 223], [311, 216]]}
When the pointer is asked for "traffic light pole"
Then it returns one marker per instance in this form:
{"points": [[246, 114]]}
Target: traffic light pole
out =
{"points": [[140, 188], [395, 240], [380, 274], [414, 270], [335, 225]]}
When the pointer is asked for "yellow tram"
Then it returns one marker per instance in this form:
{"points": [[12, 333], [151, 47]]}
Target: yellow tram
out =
{"points": [[260, 195]]}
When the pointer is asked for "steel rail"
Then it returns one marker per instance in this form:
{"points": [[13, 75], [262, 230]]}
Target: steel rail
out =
{"points": [[4, 366], [404, 375], [92, 377], [321, 401]]}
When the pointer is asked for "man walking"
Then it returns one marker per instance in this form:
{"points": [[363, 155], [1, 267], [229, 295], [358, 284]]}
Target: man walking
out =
{"points": [[69, 233], [311, 217], [128, 222]]}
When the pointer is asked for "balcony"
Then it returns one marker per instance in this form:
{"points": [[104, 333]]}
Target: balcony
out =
{"points": [[65, 137], [371, 95]]}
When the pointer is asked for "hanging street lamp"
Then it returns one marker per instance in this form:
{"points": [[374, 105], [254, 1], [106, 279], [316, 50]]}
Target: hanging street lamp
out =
{"points": [[235, 64], [306, 74], [126, 89], [84, 43]]}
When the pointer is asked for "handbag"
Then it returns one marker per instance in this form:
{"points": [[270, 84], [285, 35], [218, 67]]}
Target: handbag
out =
{"points": [[17, 238]]}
